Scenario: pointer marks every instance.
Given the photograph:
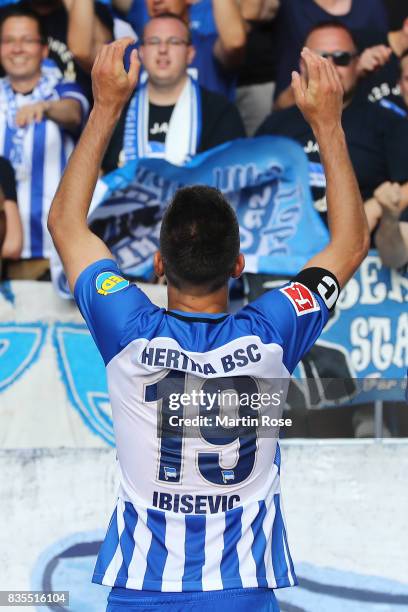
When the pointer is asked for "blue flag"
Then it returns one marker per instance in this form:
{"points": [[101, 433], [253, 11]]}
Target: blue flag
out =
{"points": [[265, 180]]}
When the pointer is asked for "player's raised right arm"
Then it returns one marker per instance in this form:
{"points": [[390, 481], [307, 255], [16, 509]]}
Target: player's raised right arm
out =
{"points": [[112, 86], [319, 96]]}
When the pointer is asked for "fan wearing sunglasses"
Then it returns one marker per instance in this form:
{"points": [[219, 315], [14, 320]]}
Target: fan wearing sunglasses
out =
{"points": [[339, 58], [377, 138]]}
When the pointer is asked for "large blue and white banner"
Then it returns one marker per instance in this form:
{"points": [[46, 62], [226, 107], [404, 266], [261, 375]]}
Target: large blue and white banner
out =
{"points": [[265, 180]]}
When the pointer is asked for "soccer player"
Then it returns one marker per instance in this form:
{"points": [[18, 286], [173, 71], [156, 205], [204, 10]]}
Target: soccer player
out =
{"points": [[198, 523]]}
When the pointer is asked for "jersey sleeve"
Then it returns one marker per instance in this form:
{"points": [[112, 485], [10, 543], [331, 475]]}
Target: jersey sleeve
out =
{"points": [[295, 315], [112, 307], [73, 91]]}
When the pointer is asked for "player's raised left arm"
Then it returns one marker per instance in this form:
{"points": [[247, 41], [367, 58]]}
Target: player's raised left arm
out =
{"points": [[319, 96], [112, 86]]}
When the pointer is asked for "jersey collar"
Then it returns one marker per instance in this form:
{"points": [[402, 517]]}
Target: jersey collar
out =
{"points": [[198, 317]]}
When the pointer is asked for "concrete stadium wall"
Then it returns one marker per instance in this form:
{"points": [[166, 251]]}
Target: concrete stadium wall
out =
{"points": [[345, 502]]}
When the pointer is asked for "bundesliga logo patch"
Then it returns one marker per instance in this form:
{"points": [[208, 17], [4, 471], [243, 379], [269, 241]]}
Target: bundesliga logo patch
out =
{"points": [[302, 298], [109, 282]]}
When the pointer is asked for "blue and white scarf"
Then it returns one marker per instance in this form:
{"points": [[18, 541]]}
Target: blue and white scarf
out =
{"points": [[44, 90], [184, 133]]}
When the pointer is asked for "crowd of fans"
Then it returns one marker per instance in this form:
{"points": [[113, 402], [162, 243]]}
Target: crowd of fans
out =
{"points": [[214, 71]]}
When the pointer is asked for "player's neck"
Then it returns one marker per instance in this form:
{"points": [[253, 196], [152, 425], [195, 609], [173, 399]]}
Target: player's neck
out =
{"points": [[24, 84], [192, 301]]}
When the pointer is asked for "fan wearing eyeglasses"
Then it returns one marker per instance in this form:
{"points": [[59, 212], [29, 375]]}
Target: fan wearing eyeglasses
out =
{"points": [[218, 31], [171, 116], [377, 138], [40, 117]]}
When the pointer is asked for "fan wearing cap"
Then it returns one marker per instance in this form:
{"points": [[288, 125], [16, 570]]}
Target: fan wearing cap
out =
{"points": [[376, 137]]}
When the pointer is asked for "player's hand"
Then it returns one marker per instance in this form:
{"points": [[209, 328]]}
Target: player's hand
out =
{"points": [[318, 92], [373, 58], [112, 86], [31, 113], [389, 195]]}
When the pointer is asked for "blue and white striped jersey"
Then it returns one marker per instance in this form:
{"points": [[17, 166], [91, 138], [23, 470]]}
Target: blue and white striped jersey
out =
{"points": [[38, 154], [198, 510]]}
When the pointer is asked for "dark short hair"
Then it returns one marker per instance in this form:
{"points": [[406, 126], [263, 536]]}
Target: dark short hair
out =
{"points": [[23, 10], [199, 239], [332, 23], [169, 15]]}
